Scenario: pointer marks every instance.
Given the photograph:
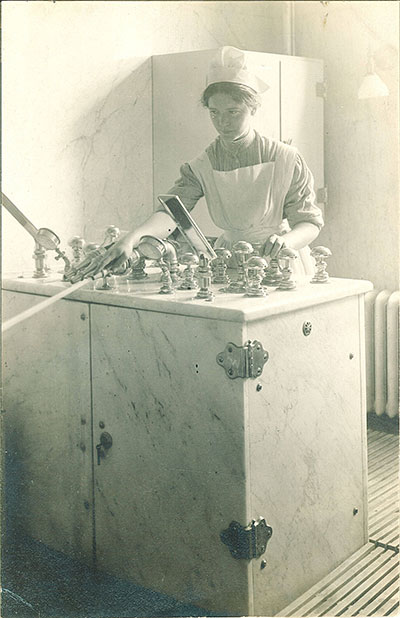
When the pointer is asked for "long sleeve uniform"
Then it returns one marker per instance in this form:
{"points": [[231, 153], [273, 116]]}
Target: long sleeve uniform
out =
{"points": [[299, 202]]}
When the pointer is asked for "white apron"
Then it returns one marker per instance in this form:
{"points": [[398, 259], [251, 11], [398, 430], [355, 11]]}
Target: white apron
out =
{"points": [[247, 203]]}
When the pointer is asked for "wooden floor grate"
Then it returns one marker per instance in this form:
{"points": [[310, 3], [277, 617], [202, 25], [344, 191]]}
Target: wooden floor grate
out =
{"points": [[367, 584]]}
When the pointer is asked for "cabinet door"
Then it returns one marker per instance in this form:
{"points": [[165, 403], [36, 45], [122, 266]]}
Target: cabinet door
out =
{"points": [[47, 424], [307, 448], [302, 111], [182, 128], [174, 477]]}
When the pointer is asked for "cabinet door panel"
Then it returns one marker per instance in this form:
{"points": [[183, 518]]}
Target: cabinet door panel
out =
{"points": [[307, 448], [302, 111], [174, 477], [47, 424], [182, 128]]}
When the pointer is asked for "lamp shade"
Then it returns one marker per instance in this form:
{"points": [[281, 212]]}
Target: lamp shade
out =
{"points": [[372, 86]]}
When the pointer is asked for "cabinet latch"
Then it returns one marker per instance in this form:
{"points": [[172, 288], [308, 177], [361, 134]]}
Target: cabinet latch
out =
{"points": [[322, 195], [247, 542], [321, 89], [245, 361]]}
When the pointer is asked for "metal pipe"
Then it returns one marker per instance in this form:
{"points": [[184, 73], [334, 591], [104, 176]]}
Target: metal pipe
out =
{"points": [[17, 214]]}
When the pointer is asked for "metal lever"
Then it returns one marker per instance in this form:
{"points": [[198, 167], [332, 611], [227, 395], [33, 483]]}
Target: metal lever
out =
{"points": [[45, 237], [105, 443]]}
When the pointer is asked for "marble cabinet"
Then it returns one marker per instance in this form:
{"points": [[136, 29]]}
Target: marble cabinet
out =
{"points": [[194, 450]]}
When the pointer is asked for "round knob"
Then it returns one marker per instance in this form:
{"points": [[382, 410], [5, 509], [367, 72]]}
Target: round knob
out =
{"points": [[76, 242], [242, 247], [321, 252], [112, 232], [286, 252], [256, 263], [223, 254], [189, 259], [90, 247], [255, 267]]}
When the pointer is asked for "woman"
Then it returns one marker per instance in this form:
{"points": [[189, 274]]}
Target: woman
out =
{"points": [[257, 189]]}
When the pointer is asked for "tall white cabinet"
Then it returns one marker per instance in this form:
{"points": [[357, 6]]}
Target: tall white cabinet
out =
{"points": [[291, 111]]}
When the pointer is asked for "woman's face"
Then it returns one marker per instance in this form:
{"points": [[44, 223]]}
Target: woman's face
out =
{"points": [[230, 118]]}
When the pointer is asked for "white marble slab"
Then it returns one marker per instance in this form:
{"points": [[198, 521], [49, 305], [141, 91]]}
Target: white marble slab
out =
{"points": [[232, 307]]}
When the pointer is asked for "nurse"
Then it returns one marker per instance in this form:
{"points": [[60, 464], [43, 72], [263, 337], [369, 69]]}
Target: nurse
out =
{"points": [[256, 188]]}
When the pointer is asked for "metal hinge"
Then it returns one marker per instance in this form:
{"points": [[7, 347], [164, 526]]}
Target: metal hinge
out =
{"points": [[247, 542], [322, 195], [321, 89], [245, 361]]}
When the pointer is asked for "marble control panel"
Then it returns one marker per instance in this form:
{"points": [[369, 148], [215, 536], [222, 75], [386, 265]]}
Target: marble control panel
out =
{"points": [[225, 306]]}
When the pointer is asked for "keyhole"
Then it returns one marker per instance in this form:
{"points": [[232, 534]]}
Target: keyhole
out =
{"points": [[105, 444]]}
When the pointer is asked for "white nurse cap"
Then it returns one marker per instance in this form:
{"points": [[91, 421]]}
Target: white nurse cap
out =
{"points": [[233, 65]]}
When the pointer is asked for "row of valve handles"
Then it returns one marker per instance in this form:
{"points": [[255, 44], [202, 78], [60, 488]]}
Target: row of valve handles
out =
{"points": [[252, 272]]}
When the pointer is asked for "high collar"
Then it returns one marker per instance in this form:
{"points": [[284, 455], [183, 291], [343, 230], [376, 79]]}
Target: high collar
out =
{"points": [[239, 143]]}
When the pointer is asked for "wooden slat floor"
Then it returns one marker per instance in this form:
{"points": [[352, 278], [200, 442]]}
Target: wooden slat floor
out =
{"points": [[367, 584]]}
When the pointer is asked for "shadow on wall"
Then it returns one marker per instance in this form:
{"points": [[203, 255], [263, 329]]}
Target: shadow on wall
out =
{"points": [[114, 153]]}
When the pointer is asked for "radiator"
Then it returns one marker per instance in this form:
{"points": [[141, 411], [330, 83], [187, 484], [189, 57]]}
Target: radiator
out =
{"points": [[382, 352]]}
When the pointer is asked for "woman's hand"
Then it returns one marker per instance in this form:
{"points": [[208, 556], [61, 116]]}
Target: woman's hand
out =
{"points": [[159, 224], [118, 253], [299, 236], [273, 245], [113, 258]]}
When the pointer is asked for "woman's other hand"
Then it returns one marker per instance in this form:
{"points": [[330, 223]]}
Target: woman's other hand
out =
{"points": [[273, 245]]}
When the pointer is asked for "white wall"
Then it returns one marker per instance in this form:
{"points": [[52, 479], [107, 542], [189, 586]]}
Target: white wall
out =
{"points": [[361, 136], [77, 134]]}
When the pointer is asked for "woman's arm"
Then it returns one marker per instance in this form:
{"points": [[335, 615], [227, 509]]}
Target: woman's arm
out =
{"points": [[300, 236], [159, 224], [300, 209]]}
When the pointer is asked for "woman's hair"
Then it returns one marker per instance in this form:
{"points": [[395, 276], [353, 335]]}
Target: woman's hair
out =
{"points": [[238, 92]]}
